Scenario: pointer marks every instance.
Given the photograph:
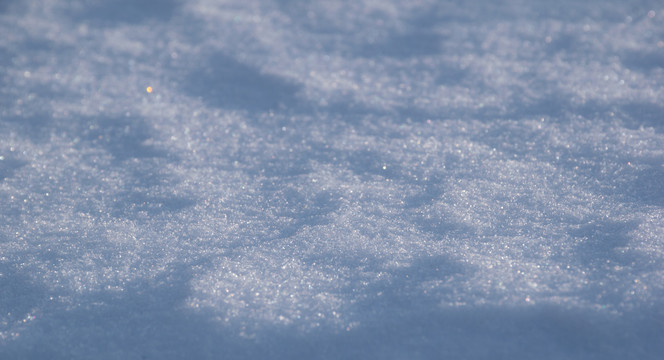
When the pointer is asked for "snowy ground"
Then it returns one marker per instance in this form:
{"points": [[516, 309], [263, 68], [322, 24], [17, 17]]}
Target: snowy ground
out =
{"points": [[331, 179]]}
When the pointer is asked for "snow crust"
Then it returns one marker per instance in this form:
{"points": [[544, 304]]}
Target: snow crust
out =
{"points": [[334, 179]]}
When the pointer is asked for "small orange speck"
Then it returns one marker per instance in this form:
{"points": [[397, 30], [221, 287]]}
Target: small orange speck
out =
{"points": [[149, 89]]}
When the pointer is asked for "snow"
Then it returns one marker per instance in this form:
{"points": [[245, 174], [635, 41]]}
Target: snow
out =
{"points": [[334, 179]]}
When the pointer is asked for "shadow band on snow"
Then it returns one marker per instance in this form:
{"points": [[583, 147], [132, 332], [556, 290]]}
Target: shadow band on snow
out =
{"points": [[128, 11], [8, 166], [123, 137], [404, 46], [223, 82], [149, 321]]}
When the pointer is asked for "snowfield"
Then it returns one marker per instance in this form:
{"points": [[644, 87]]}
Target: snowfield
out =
{"points": [[367, 179]]}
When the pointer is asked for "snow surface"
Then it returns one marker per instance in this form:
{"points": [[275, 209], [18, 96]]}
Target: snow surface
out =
{"points": [[331, 179]]}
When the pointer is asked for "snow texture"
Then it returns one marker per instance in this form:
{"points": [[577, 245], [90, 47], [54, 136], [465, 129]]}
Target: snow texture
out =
{"points": [[295, 179]]}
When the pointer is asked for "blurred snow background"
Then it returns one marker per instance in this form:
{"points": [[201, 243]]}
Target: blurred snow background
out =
{"points": [[331, 179]]}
